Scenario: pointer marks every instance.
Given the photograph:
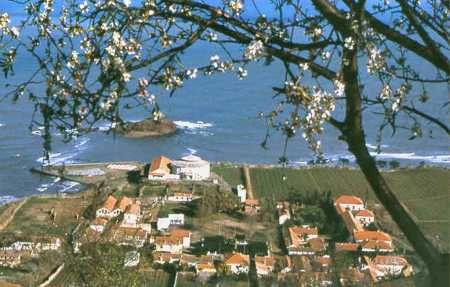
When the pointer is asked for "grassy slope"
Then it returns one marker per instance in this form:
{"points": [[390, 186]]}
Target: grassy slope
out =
{"points": [[425, 191], [34, 217]]}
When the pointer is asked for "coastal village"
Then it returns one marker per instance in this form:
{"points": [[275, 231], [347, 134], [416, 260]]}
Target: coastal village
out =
{"points": [[158, 229]]}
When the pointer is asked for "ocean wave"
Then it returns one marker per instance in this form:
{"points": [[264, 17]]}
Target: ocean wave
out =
{"points": [[80, 145], [402, 156], [191, 151], [372, 146], [194, 128], [68, 185], [58, 186], [5, 199], [443, 158], [2, 125], [192, 125]]}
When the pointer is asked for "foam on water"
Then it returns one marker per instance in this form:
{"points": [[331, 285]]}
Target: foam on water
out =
{"points": [[2, 125], [372, 146], [443, 158], [4, 199], [80, 145], [194, 128]]}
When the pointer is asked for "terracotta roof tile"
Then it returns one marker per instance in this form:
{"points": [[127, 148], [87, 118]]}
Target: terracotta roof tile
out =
{"points": [[371, 235], [109, 203], [161, 163], [365, 213], [348, 199], [390, 260], [238, 258], [134, 209], [124, 202], [352, 247]]}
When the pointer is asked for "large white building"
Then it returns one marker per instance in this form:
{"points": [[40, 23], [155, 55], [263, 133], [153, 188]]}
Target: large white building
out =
{"points": [[191, 167]]}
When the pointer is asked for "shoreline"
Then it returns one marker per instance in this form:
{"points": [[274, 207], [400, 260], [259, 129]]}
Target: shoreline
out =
{"points": [[43, 171]]}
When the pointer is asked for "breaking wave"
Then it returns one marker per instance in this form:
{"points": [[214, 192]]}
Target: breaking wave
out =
{"points": [[443, 158], [4, 199], [59, 186], [194, 128], [80, 145], [372, 146]]}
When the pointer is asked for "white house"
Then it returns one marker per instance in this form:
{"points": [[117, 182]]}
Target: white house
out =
{"points": [[98, 224], [180, 197], [164, 223], [185, 235], [349, 202], [131, 215], [132, 259], [365, 217], [392, 265], [283, 212], [106, 209], [170, 244], [192, 168], [113, 207], [160, 169], [238, 263], [121, 205], [241, 193], [176, 218], [264, 265], [164, 257]]}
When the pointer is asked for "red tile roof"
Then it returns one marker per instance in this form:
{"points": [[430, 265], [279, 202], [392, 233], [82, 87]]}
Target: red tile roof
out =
{"points": [[134, 209], [99, 221], [317, 244], [365, 213], [109, 203], [180, 233], [323, 260], [124, 202], [265, 260], [238, 258], [251, 201], [377, 245], [347, 246], [348, 199], [390, 260], [371, 235], [161, 163]]}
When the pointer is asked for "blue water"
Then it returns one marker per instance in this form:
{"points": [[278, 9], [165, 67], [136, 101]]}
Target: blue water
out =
{"points": [[217, 118]]}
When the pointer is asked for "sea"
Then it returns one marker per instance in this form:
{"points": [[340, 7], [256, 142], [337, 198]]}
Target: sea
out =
{"points": [[217, 119]]}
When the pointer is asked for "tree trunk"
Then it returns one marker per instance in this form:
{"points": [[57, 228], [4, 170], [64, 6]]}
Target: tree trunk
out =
{"points": [[437, 263]]}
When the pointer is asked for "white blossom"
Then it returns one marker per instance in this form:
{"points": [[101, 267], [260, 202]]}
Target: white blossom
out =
{"points": [[242, 73], [254, 50], [236, 6], [349, 43], [304, 66], [340, 88], [375, 61], [127, 3], [191, 73], [385, 93]]}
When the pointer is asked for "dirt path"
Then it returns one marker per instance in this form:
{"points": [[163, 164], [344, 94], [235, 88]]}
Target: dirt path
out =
{"points": [[5, 223], [248, 182]]}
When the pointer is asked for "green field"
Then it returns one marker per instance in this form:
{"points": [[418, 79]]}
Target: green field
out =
{"points": [[233, 175], [424, 191]]}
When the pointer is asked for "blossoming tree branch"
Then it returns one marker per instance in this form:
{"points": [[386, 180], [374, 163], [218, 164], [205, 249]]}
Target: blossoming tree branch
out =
{"points": [[99, 57]]}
